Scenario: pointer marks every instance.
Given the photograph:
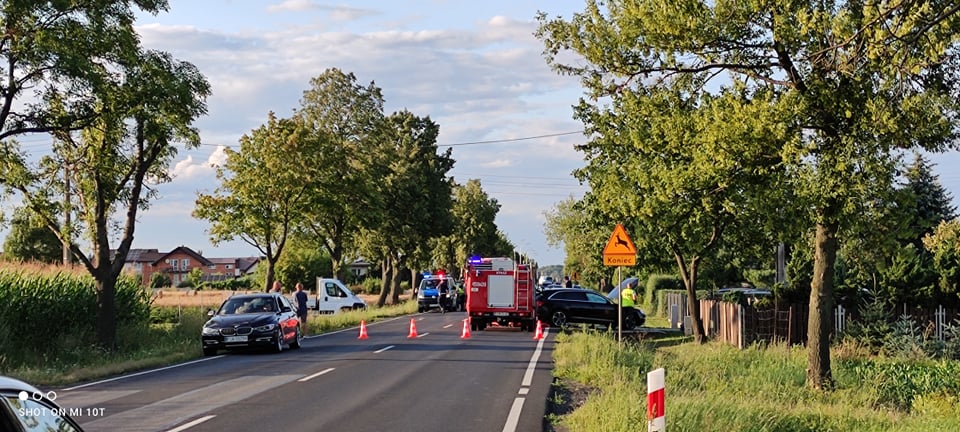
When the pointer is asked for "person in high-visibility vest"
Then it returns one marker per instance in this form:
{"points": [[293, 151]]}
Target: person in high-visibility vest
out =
{"points": [[628, 297]]}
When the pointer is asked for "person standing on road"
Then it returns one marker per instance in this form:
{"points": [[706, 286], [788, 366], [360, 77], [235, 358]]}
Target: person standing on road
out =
{"points": [[628, 297], [567, 283], [301, 297], [277, 287]]}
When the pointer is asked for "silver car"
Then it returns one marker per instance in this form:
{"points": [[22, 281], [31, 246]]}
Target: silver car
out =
{"points": [[24, 408]]}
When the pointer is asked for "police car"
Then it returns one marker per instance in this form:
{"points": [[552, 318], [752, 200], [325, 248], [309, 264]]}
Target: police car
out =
{"points": [[436, 291]]}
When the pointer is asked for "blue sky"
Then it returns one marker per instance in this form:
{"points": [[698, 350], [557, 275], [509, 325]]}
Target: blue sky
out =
{"points": [[474, 67]]}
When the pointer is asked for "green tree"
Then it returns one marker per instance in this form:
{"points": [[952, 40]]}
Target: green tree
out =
{"points": [[475, 227], [115, 163], [345, 116], [72, 66], [944, 243], [417, 197], [261, 187], [854, 81], [303, 262], [690, 170], [30, 240], [930, 202]]}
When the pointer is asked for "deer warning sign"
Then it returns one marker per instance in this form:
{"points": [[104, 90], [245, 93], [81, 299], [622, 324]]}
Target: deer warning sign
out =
{"points": [[619, 250]]}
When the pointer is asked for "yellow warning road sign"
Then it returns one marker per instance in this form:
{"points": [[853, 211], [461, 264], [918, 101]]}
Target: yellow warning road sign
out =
{"points": [[620, 250]]}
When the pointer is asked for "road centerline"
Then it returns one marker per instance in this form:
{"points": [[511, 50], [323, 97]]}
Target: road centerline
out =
{"points": [[186, 426], [310, 377]]}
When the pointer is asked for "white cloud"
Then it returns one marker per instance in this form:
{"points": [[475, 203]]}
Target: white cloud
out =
{"points": [[187, 169]]}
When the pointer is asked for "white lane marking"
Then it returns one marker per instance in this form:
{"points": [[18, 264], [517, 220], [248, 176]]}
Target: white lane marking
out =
{"points": [[513, 419], [140, 373], [420, 335], [308, 378], [448, 326], [528, 375], [383, 349], [191, 424], [168, 413]]}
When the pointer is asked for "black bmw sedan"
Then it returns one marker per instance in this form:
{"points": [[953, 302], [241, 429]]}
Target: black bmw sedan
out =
{"points": [[265, 320], [564, 306]]}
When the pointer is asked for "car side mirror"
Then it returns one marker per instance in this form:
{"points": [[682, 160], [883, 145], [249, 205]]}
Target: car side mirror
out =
{"points": [[210, 312]]}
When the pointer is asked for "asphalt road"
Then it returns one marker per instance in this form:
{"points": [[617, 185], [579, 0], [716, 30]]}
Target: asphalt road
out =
{"points": [[496, 380]]}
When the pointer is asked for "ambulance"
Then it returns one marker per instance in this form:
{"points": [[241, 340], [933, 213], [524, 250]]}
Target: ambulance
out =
{"points": [[500, 292]]}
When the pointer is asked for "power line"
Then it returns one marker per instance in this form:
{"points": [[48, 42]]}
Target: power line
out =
{"points": [[497, 141]]}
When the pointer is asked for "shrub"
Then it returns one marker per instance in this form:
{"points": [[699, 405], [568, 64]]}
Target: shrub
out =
{"points": [[657, 282], [873, 326], [369, 286]]}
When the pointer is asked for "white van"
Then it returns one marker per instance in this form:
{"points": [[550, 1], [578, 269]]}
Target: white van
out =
{"points": [[333, 296]]}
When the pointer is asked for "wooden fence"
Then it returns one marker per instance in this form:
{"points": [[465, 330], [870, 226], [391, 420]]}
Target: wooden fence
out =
{"points": [[742, 326]]}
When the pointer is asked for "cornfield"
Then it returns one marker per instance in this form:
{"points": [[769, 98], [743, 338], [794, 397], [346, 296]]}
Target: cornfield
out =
{"points": [[43, 307]]}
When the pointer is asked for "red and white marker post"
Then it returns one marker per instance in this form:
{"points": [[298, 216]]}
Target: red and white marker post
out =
{"points": [[656, 421]]}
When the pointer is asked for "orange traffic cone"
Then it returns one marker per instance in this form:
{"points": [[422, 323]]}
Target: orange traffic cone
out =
{"points": [[413, 329], [363, 330], [539, 334], [466, 329]]}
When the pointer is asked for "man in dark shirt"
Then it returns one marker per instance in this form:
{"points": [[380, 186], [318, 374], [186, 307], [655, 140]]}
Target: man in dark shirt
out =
{"points": [[301, 297]]}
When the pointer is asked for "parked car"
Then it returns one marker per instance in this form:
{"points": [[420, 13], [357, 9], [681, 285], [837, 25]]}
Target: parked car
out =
{"points": [[562, 306], [24, 407], [252, 320]]}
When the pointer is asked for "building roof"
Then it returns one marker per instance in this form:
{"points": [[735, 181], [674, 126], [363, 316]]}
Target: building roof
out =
{"points": [[143, 255], [185, 250]]}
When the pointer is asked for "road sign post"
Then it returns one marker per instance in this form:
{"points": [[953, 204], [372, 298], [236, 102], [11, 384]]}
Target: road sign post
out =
{"points": [[619, 251], [656, 418]]}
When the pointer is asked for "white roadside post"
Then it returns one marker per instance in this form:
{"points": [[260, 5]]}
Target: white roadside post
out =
{"points": [[656, 420]]}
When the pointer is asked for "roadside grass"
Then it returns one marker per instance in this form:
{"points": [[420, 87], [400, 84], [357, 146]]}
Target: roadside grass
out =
{"points": [[323, 323], [718, 387], [175, 339]]}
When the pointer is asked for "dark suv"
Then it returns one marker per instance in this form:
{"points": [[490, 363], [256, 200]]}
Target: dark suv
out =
{"points": [[563, 306]]}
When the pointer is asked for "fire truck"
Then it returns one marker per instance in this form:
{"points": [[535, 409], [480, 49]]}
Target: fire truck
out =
{"points": [[500, 292]]}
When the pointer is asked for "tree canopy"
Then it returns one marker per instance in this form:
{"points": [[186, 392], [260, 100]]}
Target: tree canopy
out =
{"points": [[852, 83]]}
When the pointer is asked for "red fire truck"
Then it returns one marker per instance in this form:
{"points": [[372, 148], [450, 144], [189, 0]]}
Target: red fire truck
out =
{"points": [[500, 291]]}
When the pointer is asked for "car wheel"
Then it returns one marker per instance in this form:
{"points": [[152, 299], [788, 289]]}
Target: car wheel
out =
{"points": [[629, 322], [559, 319], [209, 352], [296, 340], [279, 346]]}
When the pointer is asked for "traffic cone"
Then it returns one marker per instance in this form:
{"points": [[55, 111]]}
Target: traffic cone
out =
{"points": [[466, 329], [363, 330], [413, 329], [539, 334]]}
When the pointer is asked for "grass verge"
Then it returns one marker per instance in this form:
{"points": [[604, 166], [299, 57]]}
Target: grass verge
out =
{"points": [[717, 387]]}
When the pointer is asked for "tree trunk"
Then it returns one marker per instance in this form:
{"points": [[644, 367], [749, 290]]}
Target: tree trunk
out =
{"points": [[386, 280], [820, 318], [106, 311], [693, 304], [395, 283], [271, 275]]}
